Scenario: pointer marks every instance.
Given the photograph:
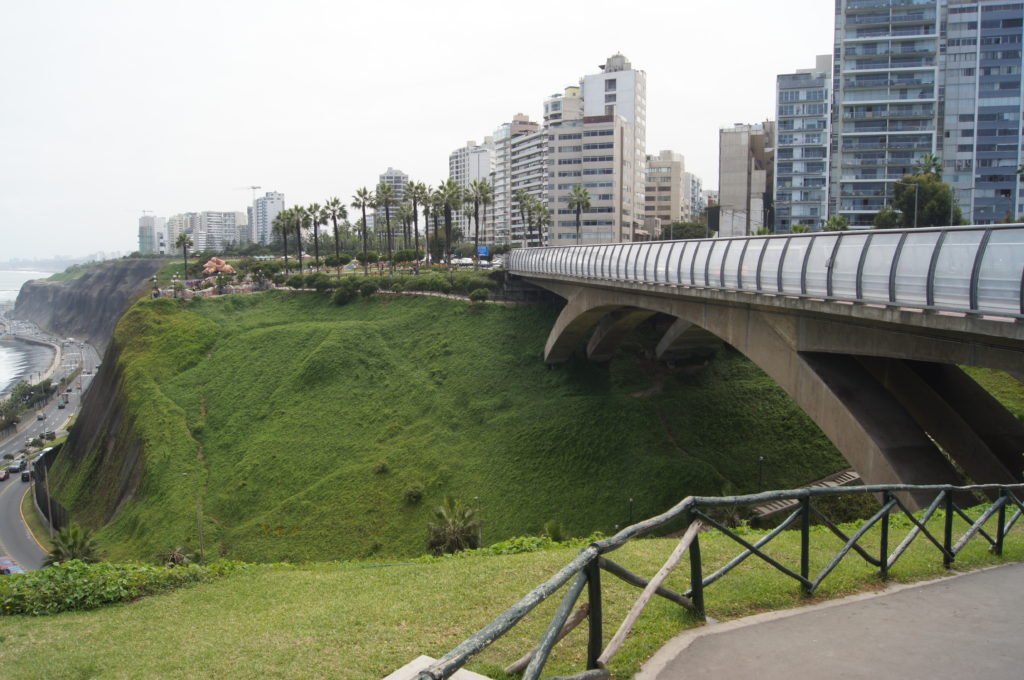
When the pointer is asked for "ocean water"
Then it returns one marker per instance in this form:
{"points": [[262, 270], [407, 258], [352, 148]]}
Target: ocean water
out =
{"points": [[11, 280], [18, 359]]}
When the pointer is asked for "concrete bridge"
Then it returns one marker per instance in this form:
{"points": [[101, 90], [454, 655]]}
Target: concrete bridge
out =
{"points": [[864, 329]]}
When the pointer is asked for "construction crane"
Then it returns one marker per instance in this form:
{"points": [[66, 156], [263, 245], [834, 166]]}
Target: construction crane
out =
{"points": [[254, 188]]}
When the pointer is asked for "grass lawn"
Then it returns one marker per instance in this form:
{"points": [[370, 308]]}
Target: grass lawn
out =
{"points": [[361, 621]]}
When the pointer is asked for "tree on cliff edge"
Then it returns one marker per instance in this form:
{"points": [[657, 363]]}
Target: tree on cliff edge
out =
{"points": [[184, 242]]}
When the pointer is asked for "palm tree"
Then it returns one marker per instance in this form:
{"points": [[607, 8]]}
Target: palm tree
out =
{"points": [[539, 214], [486, 198], [579, 200], [317, 216], [418, 193], [929, 164], [522, 199], [72, 543], [184, 242], [300, 218], [335, 210], [360, 200], [457, 528], [282, 225], [436, 211], [476, 195], [451, 197], [405, 217], [385, 199]]}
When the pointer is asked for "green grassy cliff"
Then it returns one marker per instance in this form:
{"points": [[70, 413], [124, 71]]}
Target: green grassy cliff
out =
{"points": [[301, 430]]}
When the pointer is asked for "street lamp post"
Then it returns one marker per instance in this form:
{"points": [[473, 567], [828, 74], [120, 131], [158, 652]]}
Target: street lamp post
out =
{"points": [[917, 191], [760, 473]]}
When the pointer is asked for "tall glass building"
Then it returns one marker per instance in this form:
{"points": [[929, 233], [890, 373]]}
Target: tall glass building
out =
{"points": [[927, 76]]}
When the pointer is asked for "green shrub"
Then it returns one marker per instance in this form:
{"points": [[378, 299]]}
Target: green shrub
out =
{"points": [[75, 585], [368, 288], [296, 281], [553, 530], [381, 468], [278, 279], [406, 256], [347, 291], [413, 494], [320, 281], [479, 295]]}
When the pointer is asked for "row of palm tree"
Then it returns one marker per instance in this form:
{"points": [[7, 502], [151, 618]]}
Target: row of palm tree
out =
{"points": [[438, 206]]}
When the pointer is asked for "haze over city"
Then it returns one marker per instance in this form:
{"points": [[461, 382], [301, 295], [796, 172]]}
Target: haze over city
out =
{"points": [[115, 107]]}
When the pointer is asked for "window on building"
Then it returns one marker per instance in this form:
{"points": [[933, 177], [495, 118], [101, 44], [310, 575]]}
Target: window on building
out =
{"points": [[609, 85], [609, 97]]}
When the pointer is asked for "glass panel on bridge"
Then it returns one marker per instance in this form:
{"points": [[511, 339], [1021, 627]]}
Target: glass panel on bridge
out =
{"points": [[732, 264], [718, 249], [685, 272], [647, 261], [844, 268], [674, 257], [793, 265], [817, 264], [750, 260], [953, 269], [770, 265], [700, 265], [912, 268], [616, 261], [999, 281], [877, 265]]}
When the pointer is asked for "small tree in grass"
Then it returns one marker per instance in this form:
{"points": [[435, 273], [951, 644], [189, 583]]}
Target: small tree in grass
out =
{"points": [[456, 528], [72, 543]]}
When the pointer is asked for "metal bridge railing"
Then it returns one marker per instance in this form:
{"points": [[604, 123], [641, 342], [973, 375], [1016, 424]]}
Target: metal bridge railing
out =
{"points": [[971, 270], [585, 570]]}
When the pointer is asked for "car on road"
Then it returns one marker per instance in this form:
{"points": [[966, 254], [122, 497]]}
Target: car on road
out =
{"points": [[26, 475], [4, 475], [40, 416], [10, 567], [61, 404]]}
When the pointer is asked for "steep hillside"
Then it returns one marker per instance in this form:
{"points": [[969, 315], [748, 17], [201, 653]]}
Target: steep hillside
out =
{"points": [[88, 305], [298, 430]]}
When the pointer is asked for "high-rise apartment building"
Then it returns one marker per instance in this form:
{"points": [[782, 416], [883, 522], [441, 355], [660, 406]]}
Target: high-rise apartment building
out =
{"points": [[520, 162], [147, 235], [265, 209], [396, 179], [217, 229], [667, 195], [745, 178], [467, 164], [802, 146], [597, 138], [982, 144], [695, 186], [927, 76]]}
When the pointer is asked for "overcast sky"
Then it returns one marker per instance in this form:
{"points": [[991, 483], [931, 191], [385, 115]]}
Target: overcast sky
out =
{"points": [[108, 108]]}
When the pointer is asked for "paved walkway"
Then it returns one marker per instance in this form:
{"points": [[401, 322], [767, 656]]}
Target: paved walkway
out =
{"points": [[967, 626]]}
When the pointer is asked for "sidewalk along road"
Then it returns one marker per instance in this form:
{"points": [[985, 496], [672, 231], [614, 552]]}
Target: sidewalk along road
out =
{"points": [[966, 626]]}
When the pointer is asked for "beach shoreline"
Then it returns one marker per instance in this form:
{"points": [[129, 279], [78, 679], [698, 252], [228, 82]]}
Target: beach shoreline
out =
{"points": [[38, 357]]}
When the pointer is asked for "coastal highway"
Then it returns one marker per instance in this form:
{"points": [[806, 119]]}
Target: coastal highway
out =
{"points": [[15, 540]]}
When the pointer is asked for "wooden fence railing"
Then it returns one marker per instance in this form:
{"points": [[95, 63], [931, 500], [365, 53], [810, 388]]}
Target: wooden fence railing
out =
{"points": [[585, 569]]}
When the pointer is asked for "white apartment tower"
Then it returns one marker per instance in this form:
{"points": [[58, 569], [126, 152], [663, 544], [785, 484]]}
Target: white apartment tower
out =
{"points": [[265, 210], [802, 146], [469, 163], [597, 138], [520, 162], [397, 180]]}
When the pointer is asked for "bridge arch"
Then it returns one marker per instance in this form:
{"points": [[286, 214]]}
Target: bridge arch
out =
{"points": [[875, 399]]}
